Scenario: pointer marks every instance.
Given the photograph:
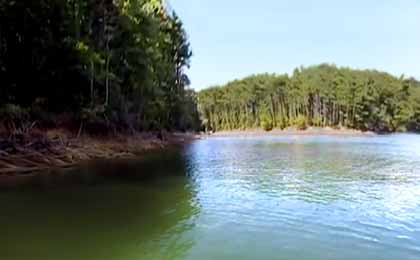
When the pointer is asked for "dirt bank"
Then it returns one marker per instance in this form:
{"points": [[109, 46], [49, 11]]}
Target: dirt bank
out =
{"points": [[57, 149]]}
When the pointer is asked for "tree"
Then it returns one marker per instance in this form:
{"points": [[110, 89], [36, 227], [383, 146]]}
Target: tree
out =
{"points": [[322, 95], [121, 62]]}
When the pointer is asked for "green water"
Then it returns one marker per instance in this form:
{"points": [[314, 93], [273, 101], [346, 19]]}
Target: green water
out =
{"points": [[226, 198]]}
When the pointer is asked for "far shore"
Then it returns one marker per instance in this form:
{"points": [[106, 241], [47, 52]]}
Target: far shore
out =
{"points": [[311, 131]]}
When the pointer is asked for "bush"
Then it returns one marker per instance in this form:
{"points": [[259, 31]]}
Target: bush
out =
{"points": [[14, 113], [317, 121], [282, 124], [43, 117], [266, 124], [300, 123], [95, 122]]}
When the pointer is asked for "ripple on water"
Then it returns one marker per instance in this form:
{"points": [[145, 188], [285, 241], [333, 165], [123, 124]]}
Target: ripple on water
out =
{"points": [[351, 196], [315, 197]]}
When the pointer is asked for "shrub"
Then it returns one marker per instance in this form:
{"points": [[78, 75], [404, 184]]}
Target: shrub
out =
{"points": [[317, 121], [282, 124], [300, 123], [267, 126], [14, 113], [266, 123]]}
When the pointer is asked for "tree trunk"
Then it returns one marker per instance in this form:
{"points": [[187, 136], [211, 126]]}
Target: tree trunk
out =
{"points": [[107, 81], [92, 79]]}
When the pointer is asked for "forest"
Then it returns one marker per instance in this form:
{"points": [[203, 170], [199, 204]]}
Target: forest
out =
{"points": [[320, 96], [118, 65], [109, 64]]}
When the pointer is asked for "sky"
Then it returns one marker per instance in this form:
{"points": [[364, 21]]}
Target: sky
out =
{"points": [[231, 39]]}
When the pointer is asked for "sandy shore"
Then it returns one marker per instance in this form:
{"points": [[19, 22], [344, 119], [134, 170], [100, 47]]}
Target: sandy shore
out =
{"points": [[312, 131]]}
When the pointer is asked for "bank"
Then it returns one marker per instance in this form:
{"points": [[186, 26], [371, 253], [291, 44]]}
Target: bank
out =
{"points": [[26, 154], [310, 131]]}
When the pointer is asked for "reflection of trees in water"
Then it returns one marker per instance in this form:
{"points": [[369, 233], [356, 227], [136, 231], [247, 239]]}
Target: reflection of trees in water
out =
{"points": [[109, 217]]}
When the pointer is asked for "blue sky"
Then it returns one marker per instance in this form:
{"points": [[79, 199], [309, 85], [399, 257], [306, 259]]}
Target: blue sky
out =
{"points": [[234, 38]]}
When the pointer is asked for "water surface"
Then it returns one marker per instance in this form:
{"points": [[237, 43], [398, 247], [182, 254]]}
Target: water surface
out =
{"points": [[287, 197]]}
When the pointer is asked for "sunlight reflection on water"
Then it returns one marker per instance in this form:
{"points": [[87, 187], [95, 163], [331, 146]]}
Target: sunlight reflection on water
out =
{"points": [[287, 197]]}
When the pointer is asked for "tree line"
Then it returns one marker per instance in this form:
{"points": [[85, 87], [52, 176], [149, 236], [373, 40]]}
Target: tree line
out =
{"points": [[321, 96], [118, 63]]}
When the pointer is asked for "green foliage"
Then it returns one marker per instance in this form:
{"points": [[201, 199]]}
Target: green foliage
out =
{"points": [[267, 126], [266, 123], [321, 96], [127, 57], [15, 113], [300, 122]]}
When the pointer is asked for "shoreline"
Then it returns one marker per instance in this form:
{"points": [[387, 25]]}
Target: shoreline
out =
{"points": [[311, 131], [57, 149], [60, 152]]}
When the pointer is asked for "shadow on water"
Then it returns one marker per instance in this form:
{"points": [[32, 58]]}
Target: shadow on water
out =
{"points": [[232, 198], [102, 210]]}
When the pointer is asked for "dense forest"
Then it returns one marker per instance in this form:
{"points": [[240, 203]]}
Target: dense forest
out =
{"points": [[120, 65], [321, 96], [113, 64]]}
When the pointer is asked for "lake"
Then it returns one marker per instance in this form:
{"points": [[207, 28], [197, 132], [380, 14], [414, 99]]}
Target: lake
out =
{"points": [[284, 197]]}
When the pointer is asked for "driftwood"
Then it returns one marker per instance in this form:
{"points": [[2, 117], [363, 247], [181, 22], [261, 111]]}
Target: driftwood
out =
{"points": [[31, 160]]}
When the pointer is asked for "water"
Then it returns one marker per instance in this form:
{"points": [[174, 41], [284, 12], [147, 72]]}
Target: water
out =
{"points": [[291, 197]]}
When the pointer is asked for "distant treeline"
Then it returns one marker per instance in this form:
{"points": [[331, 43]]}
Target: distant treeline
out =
{"points": [[113, 63], [322, 96]]}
